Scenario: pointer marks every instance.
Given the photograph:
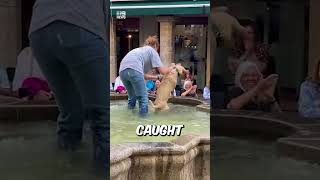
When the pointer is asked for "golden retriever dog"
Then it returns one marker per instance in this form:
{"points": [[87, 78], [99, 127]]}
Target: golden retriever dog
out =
{"points": [[168, 83]]}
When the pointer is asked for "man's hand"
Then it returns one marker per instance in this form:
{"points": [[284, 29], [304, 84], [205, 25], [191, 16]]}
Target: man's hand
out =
{"points": [[160, 77]]}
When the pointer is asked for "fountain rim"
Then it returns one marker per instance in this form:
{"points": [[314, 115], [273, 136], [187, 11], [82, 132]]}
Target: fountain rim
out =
{"points": [[179, 146], [300, 140]]}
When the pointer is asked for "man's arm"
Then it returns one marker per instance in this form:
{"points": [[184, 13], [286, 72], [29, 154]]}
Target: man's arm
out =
{"points": [[152, 77]]}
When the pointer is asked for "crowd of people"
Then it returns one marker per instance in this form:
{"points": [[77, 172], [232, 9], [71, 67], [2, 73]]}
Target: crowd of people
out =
{"points": [[254, 74], [189, 89], [28, 82], [251, 65], [255, 78]]}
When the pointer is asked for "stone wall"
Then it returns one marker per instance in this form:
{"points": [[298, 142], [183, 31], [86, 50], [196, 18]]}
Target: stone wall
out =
{"points": [[186, 158], [10, 39]]}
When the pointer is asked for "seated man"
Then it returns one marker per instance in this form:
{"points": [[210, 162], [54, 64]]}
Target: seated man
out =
{"points": [[189, 89]]}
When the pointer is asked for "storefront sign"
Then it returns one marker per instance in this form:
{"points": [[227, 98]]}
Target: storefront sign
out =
{"points": [[121, 14]]}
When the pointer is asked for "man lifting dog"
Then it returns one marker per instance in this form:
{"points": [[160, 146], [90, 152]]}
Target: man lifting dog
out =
{"points": [[133, 72]]}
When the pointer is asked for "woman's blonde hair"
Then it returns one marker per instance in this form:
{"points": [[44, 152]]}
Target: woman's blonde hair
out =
{"points": [[152, 41]]}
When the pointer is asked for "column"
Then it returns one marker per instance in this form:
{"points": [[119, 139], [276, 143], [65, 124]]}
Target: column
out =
{"points": [[10, 39], [167, 25], [211, 47], [113, 49], [314, 35], [148, 27]]}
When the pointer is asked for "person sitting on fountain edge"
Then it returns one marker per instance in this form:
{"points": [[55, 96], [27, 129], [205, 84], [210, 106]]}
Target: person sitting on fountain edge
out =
{"points": [[309, 98], [252, 92]]}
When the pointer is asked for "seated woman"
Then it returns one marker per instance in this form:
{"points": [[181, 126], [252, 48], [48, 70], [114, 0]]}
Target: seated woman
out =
{"points": [[187, 78], [150, 85], [189, 90], [27, 66], [309, 98], [117, 83], [252, 92], [206, 93], [156, 86], [119, 86], [35, 89], [121, 90]]}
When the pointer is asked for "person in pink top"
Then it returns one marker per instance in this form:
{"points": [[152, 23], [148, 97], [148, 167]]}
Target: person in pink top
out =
{"points": [[35, 89]]}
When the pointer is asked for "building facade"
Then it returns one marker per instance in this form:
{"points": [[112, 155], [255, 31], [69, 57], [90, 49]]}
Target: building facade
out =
{"points": [[298, 37], [181, 26]]}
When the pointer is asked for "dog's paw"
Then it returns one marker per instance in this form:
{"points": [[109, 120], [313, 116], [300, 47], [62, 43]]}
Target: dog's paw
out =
{"points": [[151, 103]]}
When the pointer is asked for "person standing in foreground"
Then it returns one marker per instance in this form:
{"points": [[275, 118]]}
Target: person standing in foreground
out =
{"points": [[134, 69], [69, 39]]}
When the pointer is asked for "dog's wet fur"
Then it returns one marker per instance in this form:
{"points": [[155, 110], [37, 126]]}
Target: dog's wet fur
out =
{"points": [[168, 84]]}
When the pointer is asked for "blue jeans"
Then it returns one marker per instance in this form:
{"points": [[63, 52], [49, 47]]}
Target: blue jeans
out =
{"points": [[75, 63], [136, 88]]}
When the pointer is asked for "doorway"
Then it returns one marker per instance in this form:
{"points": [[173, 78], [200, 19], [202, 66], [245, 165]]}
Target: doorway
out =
{"points": [[26, 14]]}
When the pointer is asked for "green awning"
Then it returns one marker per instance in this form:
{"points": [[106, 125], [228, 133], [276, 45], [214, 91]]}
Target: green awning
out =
{"points": [[140, 8]]}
